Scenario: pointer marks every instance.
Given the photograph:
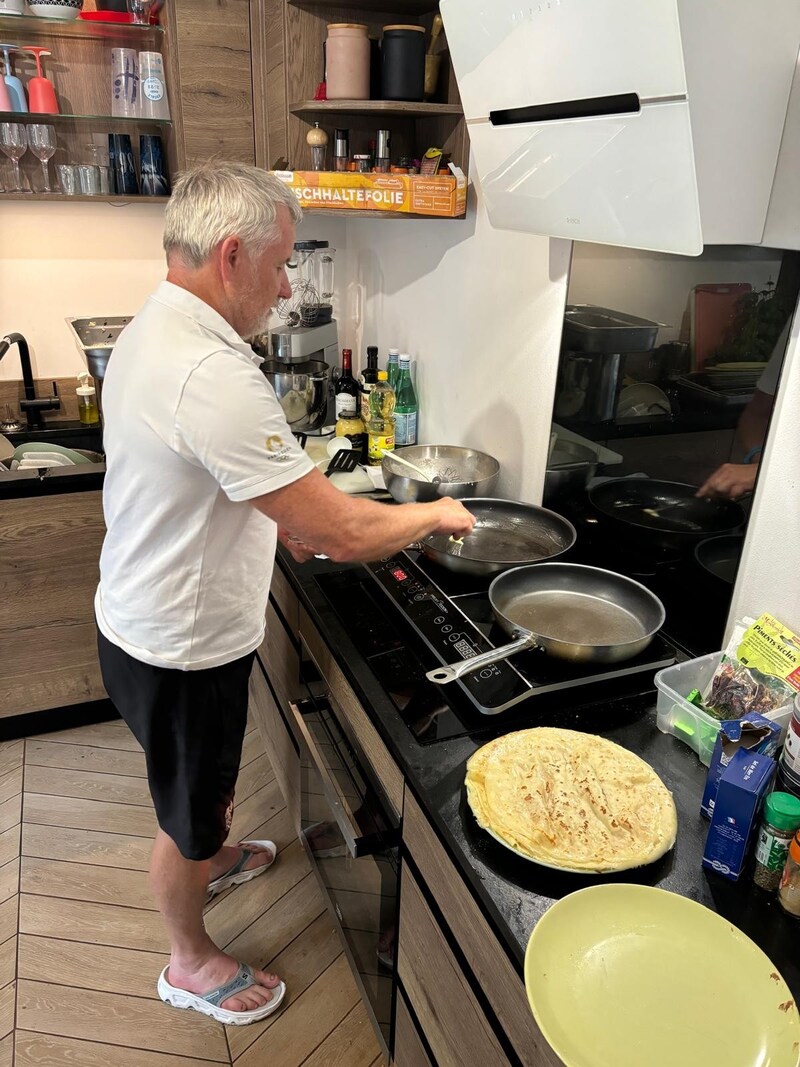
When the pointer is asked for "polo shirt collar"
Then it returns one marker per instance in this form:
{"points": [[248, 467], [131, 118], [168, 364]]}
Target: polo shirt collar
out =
{"points": [[180, 299]]}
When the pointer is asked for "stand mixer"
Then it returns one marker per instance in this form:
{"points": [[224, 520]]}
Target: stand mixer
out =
{"points": [[299, 354]]}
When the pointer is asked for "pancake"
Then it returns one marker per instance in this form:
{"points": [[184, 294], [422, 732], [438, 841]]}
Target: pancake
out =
{"points": [[571, 800]]}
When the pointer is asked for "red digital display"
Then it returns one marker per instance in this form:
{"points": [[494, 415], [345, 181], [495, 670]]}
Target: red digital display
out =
{"points": [[398, 574]]}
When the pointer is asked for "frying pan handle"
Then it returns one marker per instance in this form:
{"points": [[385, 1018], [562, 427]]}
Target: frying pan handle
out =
{"points": [[443, 675]]}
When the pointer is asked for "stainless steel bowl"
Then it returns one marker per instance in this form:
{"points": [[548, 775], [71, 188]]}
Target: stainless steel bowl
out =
{"points": [[464, 472], [570, 468], [302, 391]]}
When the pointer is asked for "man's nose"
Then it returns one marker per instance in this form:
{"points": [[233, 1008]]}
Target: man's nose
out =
{"points": [[285, 290]]}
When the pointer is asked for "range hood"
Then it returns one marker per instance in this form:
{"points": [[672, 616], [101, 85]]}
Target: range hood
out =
{"points": [[651, 125]]}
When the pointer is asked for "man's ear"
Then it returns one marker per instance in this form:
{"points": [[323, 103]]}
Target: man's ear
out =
{"points": [[230, 254]]}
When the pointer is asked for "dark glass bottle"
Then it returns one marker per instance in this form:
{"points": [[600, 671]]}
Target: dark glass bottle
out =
{"points": [[347, 393], [368, 377]]}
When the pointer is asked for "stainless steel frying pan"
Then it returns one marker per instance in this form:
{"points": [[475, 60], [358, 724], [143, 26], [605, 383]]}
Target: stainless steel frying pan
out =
{"points": [[507, 534], [571, 612]]}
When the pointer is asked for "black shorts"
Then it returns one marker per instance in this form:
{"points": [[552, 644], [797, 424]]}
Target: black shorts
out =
{"points": [[191, 725]]}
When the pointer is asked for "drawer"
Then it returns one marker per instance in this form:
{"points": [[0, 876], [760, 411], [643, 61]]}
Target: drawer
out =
{"points": [[280, 659], [453, 1021], [408, 1048], [488, 960], [285, 597], [275, 735], [347, 704]]}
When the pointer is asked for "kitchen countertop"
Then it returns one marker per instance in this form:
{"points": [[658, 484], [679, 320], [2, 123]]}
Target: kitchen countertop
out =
{"points": [[514, 893]]}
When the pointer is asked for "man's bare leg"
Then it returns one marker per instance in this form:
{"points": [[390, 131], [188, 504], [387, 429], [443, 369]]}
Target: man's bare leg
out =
{"points": [[180, 888]]}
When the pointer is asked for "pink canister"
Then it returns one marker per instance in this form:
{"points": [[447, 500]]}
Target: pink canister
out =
{"points": [[347, 61]]}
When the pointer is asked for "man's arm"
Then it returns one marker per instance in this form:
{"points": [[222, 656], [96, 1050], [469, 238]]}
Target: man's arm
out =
{"points": [[752, 429], [347, 528]]}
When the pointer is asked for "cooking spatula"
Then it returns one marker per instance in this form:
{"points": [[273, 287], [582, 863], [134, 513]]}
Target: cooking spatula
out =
{"points": [[344, 461]]}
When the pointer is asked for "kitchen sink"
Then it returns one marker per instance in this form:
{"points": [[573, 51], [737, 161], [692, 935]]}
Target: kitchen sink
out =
{"points": [[71, 435]]}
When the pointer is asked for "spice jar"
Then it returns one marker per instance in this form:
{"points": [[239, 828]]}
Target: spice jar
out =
{"points": [[780, 821], [789, 892], [347, 61]]}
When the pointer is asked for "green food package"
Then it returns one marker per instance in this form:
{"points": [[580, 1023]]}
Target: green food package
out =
{"points": [[761, 675]]}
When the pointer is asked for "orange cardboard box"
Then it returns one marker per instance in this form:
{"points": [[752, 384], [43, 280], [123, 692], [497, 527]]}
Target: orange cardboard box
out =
{"points": [[440, 196]]}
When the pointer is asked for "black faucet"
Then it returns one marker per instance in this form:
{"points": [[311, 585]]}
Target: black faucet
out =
{"points": [[32, 405]]}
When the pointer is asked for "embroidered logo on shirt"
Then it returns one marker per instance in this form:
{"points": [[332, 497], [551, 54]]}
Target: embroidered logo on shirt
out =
{"points": [[276, 448]]}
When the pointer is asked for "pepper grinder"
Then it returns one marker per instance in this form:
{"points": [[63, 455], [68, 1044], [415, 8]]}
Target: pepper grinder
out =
{"points": [[317, 140]]}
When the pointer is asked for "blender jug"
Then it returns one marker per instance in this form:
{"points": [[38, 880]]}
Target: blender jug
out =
{"points": [[313, 265]]}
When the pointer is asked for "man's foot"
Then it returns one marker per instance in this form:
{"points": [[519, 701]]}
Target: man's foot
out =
{"points": [[217, 971], [234, 865]]}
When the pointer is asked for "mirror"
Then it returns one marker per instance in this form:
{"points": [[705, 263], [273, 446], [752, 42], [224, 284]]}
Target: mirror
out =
{"points": [[667, 377]]}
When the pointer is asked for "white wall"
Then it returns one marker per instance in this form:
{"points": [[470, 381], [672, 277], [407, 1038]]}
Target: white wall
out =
{"points": [[65, 260], [768, 574], [657, 286], [481, 311]]}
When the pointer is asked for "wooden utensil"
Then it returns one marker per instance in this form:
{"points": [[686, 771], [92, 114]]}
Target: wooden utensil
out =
{"points": [[436, 29]]}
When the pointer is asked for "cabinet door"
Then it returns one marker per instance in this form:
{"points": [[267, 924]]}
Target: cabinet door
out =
{"points": [[277, 741], [408, 1048], [454, 1023], [216, 80], [280, 660]]}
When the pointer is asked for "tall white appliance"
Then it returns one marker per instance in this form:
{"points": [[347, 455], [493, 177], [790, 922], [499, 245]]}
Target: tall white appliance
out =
{"points": [[651, 124]]}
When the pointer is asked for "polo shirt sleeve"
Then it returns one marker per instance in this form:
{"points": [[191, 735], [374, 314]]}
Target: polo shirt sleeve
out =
{"points": [[229, 421]]}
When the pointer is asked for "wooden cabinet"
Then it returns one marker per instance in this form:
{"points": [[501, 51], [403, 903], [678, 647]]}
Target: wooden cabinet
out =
{"points": [[409, 1051], [213, 68], [49, 552], [453, 1020], [277, 741]]}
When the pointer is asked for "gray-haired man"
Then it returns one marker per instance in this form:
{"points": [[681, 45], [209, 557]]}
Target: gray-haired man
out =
{"points": [[203, 475]]}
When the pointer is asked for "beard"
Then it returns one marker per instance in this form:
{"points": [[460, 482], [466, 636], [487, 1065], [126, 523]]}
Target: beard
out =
{"points": [[258, 325]]}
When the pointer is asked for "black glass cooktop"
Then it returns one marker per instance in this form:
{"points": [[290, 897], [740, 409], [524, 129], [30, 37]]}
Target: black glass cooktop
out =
{"points": [[407, 616]]}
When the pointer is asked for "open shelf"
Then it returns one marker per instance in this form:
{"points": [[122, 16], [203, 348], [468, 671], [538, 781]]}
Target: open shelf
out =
{"points": [[28, 117], [81, 28], [396, 7], [117, 201], [405, 108]]}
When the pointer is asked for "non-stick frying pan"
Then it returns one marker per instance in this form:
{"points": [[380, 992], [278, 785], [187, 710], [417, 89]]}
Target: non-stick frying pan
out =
{"points": [[719, 556], [507, 534], [571, 612], [665, 513]]}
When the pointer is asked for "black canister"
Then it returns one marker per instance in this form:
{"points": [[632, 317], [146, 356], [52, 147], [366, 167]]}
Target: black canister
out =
{"points": [[403, 63]]}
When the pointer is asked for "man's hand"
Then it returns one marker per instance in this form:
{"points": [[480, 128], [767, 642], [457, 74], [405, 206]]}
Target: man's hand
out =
{"points": [[453, 518], [300, 551], [730, 482]]}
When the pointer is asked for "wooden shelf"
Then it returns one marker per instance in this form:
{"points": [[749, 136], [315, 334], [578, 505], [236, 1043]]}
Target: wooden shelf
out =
{"points": [[28, 117], [405, 108], [81, 28], [357, 213], [117, 201], [396, 7]]}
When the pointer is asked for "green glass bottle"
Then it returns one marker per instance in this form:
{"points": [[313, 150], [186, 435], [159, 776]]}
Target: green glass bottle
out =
{"points": [[406, 411], [393, 367]]}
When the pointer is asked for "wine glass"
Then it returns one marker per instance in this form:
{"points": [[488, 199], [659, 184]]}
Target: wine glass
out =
{"points": [[14, 143], [140, 10], [42, 142]]}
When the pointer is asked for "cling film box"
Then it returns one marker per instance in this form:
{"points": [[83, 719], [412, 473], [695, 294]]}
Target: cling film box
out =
{"points": [[439, 196]]}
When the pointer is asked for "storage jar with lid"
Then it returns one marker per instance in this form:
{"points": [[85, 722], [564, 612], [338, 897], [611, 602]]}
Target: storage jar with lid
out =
{"points": [[403, 63], [347, 61], [780, 821]]}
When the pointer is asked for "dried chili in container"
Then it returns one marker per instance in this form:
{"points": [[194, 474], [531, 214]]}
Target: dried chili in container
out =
{"points": [[780, 820], [789, 892]]}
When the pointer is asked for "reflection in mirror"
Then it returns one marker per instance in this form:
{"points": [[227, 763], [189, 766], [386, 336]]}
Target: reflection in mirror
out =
{"points": [[667, 377]]}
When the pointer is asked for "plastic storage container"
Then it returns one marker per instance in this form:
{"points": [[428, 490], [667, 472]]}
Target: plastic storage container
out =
{"points": [[695, 727]]}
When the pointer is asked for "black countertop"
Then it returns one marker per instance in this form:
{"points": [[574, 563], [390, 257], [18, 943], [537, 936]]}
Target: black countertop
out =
{"points": [[512, 892]]}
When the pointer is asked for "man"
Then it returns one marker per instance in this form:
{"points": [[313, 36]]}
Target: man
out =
{"points": [[735, 480], [202, 474]]}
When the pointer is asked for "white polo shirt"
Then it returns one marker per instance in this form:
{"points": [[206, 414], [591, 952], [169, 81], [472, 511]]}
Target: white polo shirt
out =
{"points": [[193, 430]]}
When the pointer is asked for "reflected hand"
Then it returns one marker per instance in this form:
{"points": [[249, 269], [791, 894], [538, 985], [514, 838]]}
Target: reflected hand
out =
{"points": [[453, 518], [730, 482]]}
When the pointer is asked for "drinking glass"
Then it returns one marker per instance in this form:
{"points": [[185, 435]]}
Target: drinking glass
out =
{"points": [[140, 10], [14, 143], [42, 142]]}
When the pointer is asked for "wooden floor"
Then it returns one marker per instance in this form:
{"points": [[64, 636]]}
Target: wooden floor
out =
{"points": [[81, 943]]}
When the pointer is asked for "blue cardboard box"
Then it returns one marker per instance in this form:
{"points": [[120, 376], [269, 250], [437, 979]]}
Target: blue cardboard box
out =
{"points": [[742, 787], [752, 732]]}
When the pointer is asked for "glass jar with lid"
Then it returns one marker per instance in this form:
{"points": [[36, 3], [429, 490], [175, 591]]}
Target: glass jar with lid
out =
{"points": [[780, 821]]}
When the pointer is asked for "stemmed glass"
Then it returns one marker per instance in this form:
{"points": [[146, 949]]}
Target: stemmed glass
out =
{"points": [[140, 10], [43, 144], [14, 143]]}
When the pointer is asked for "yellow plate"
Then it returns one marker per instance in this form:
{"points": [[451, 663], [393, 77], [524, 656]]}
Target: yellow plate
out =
{"points": [[632, 976]]}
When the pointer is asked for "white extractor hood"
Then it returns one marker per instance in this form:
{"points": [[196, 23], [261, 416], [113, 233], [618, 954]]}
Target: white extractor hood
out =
{"points": [[651, 124]]}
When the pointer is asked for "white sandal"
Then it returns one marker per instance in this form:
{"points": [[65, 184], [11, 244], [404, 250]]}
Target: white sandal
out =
{"points": [[237, 875], [209, 1003]]}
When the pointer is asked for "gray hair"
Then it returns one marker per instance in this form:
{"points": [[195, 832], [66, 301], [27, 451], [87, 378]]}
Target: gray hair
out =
{"points": [[216, 200]]}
